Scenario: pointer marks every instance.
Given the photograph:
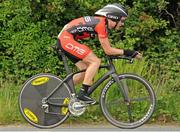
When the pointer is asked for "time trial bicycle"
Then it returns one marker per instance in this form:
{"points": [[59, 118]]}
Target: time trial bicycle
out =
{"points": [[127, 100]]}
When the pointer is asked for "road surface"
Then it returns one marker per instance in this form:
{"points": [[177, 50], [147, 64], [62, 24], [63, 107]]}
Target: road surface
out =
{"points": [[90, 127]]}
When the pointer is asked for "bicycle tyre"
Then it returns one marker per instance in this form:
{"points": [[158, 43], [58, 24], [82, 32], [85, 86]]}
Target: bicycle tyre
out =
{"points": [[121, 110], [30, 100]]}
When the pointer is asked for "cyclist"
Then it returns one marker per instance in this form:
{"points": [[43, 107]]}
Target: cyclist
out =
{"points": [[111, 16]]}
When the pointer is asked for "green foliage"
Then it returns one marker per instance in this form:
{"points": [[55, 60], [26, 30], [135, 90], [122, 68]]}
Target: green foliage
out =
{"points": [[24, 45], [9, 112], [29, 27], [168, 107]]}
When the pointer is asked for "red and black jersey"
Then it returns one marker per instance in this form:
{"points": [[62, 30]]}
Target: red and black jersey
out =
{"points": [[87, 26], [80, 28]]}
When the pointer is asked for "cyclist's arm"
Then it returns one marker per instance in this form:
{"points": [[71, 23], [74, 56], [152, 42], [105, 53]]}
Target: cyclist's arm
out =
{"points": [[114, 51], [108, 49]]}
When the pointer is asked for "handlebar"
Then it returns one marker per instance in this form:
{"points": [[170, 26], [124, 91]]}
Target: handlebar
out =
{"points": [[130, 59]]}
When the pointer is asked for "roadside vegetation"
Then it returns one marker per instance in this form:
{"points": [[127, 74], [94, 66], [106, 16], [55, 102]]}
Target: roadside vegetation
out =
{"points": [[28, 28]]}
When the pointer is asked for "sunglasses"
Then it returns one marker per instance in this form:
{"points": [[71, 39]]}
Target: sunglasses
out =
{"points": [[122, 20]]}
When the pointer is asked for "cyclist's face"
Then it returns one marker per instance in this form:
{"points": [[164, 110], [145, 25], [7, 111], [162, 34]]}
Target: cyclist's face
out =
{"points": [[121, 23]]}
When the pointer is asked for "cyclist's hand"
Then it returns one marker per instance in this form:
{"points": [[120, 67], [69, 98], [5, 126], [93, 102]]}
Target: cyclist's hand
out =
{"points": [[138, 56], [132, 54]]}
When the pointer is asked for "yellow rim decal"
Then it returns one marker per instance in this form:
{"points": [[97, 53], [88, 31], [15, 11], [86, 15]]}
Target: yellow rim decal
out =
{"points": [[64, 110], [40, 81], [30, 115]]}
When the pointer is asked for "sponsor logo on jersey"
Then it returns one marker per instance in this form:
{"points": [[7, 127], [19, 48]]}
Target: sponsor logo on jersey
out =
{"points": [[85, 29], [87, 19], [82, 29], [76, 49]]}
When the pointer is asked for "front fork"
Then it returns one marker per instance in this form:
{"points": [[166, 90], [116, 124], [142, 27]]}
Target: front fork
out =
{"points": [[122, 87]]}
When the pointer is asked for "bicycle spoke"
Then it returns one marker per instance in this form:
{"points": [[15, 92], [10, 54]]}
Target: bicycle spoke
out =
{"points": [[119, 101], [129, 113], [140, 99]]}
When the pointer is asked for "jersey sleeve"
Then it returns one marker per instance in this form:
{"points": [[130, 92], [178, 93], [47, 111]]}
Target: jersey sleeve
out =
{"points": [[101, 29]]}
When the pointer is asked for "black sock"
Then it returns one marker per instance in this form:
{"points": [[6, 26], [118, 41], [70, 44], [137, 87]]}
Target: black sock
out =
{"points": [[85, 87]]}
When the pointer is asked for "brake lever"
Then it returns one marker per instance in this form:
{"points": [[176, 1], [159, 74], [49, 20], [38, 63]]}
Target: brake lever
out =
{"points": [[130, 59]]}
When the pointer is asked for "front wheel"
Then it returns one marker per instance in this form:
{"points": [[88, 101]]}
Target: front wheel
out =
{"points": [[133, 111]]}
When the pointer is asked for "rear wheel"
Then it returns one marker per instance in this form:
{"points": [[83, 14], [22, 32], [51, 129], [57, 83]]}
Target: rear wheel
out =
{"points": [[130, 113], [39, 111]]}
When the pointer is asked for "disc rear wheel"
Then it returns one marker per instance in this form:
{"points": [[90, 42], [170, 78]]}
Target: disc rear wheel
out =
{"points": [[39, 111]]}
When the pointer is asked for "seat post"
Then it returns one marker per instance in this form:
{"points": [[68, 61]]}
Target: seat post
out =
{"points": [[62, 56], [68, 71], [65, 62]]}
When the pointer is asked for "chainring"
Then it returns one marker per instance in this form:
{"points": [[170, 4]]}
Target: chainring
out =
{"points": [[76, 107]]}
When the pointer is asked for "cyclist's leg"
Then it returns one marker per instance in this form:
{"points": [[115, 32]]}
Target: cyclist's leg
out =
{"points": [[93, 63], [73, 49], [79, 52], [78, 78], [75, 52]]}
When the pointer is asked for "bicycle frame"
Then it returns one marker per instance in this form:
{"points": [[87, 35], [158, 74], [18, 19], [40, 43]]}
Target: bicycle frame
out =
{"points": [[55, 99], [69, 78]]}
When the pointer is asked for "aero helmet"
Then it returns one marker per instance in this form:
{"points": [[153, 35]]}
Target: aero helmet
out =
{"points": [[112, 11]]}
